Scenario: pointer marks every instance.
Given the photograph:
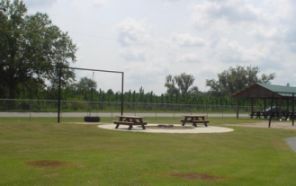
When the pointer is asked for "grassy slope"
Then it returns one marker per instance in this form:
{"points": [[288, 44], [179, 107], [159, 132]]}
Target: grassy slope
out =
{"points": [[95, 156]]}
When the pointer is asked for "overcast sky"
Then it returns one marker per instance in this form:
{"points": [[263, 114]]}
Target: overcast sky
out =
{"points": [[149, 39]]}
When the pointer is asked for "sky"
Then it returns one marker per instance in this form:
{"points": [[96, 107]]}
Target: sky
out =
{"points": [[150, 39]]}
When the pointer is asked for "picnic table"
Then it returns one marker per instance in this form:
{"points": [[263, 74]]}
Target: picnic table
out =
{"points": [[130, 121], [194, 119], [274, 114]]}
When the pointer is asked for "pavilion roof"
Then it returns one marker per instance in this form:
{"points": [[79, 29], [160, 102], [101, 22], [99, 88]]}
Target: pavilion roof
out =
{"points": [[260, 90]]}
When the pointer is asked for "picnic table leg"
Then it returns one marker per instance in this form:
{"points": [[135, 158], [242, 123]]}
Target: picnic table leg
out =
{"points": [[194, 124], [117, 125], [206, 124], [183, 123], [130, 127], [143, 126]]}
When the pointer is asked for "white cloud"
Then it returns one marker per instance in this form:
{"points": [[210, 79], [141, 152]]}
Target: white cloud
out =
{"points": [[242, 32], [188, 58], [233, 11], [99, 3], [132, 32], [134, 55], [187, 40], [39, 4]]}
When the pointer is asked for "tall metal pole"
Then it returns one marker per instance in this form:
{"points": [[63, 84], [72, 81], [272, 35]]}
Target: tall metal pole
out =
{"points": [[59, 69], [122, 92]]}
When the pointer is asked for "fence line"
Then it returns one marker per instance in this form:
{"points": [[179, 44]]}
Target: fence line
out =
{"points": [[78, 108]]}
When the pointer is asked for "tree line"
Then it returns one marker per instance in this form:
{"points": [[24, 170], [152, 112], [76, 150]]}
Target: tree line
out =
{"points": [[180, 89]]}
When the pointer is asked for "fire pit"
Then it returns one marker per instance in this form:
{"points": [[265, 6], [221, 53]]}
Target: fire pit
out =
{"points": [[165, 126], [168, 127]]}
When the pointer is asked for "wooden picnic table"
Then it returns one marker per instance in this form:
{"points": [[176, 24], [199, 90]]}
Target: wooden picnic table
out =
{"points": [[130, 121], [194, 119]]}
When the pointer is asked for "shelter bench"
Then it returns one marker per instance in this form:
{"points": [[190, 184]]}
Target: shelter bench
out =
{"points": [[276, 114], [256, 114], [130, 121], [259, 114]]}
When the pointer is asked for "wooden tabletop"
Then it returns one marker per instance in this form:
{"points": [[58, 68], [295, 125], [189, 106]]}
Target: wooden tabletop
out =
{"points": [[136, 117], [194, 116]]}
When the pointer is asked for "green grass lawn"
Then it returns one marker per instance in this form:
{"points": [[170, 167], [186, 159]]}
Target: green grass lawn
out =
{"points": [[41, 152]]}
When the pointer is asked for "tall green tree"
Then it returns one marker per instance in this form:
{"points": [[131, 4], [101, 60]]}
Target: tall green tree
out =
{"points": [[179, 84], [235, 79], [184, 82], [170, 84], [87, 87], [31, 47]]}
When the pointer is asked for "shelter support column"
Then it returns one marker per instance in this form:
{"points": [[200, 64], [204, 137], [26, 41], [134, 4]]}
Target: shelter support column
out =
{"points": [[270, 113]]}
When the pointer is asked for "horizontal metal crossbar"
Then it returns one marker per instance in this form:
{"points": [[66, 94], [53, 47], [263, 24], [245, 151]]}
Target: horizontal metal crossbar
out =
{"points": [[95, 70]]}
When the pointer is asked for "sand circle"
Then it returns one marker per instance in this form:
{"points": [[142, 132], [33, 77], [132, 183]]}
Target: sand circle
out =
{"points": [[173, 129]]}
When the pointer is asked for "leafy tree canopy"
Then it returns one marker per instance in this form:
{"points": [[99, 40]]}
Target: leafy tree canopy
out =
{"points": [[85, 84], [236, 79], [180, 84], [31, 48]]}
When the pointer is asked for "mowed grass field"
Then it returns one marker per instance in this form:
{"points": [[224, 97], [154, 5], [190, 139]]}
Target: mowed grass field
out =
{"points": [[42, 152]]}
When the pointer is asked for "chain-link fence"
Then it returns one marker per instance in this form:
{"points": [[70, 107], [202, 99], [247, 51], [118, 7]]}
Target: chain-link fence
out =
{"points": [[76, 109]]}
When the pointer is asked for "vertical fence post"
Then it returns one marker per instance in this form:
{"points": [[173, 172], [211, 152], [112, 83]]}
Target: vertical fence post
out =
{"points": [[30, 110], [237, 108], [293, 109], [122, 93], [59, 71], [222, 106]]}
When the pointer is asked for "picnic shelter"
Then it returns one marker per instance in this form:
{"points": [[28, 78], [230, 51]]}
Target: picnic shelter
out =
{"points": [[278, 101]]}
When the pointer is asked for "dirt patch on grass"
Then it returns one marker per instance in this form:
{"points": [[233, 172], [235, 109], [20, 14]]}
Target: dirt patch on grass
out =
{"points": [[197, 176], [48, 164]]}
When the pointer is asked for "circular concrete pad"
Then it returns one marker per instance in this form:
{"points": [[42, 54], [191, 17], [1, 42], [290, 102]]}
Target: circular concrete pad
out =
{"points": [[292, 143], [177, 129]]}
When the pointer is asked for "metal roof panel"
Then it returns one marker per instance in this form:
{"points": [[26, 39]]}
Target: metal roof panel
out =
{"points": [[282, 90]]}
